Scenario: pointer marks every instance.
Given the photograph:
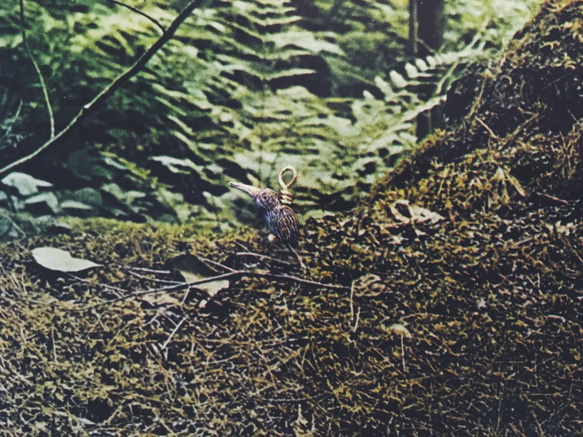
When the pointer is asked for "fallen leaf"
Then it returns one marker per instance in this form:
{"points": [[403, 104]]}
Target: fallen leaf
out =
{"points": [[60, 260], [406, 213], [193, 270]]}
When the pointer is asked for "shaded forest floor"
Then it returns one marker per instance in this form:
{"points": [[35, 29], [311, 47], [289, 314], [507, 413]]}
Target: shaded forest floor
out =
{"points": [[449, 303]]}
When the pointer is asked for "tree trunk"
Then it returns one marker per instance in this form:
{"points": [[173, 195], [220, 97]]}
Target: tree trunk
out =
{"points": [[426, 28], [431, 24]]}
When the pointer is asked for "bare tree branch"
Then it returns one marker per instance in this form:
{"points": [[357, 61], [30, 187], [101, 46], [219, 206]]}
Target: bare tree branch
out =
{"points": [[113, 86], [143, 14], [235, 274], [37, 69]]}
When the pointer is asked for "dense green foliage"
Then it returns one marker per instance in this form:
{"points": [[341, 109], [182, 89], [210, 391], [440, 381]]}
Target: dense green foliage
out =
{"points": [[244, 89]]}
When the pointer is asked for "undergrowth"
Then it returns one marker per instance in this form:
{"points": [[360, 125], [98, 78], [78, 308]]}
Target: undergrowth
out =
{"points": [[244, 89]]}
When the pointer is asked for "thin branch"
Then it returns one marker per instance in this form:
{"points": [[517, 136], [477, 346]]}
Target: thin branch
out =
{"points": [[490, 131], [143, 14], [554, 199], [174, 331], [113, 86], [261, 257], [216, 264], [403, 354], [232, 274], [38, 72], [356, 319], [145, 270]]}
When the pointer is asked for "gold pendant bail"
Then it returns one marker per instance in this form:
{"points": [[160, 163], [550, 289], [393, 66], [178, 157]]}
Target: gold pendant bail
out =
{"points": [[284, 193]]}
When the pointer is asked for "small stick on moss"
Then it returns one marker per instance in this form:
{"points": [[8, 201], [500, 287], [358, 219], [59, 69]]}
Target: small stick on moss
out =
{"points": [[53, 346], [96, 284], [162, 281], [262, 257], [217, 264], [554, 199], [297, 255], [229, 275], [176, 328], [356, 319], [403, 353], [352, 300], [485, 126], [352, 316], [146, 270]]}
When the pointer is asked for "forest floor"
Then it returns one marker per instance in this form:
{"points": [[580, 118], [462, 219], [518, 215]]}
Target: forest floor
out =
{"points": [[450, 302]]}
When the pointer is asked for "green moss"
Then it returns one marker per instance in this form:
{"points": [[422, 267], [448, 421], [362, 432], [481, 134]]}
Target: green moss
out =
{"points": [[465, 324]]}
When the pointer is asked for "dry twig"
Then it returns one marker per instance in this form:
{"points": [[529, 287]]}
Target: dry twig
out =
{"points": [[143, 14], [229, 275], [38, 72], [117, 83]]}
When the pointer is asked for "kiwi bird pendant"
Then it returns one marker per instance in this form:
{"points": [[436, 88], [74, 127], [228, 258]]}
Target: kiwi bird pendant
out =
{"points": [[281, 219]]}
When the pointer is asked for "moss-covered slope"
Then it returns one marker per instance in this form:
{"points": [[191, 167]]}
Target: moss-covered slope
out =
{"points": [[450, 303]]}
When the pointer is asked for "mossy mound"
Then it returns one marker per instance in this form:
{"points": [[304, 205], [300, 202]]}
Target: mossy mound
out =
{"points": [[450, 303]]}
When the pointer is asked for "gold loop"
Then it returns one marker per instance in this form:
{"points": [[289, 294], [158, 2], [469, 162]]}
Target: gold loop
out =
{"points": [[285, 185], [284, 193]]}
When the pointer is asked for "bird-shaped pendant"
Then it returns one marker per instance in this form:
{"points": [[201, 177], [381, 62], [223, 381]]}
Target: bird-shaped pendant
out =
{"points": [[281, 219]]}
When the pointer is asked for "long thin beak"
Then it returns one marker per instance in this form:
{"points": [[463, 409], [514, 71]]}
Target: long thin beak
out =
{"points": [[249, 189]]}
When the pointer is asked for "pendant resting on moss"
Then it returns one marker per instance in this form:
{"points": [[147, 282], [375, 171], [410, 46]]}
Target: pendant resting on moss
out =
{"points": [[277, 212]]}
